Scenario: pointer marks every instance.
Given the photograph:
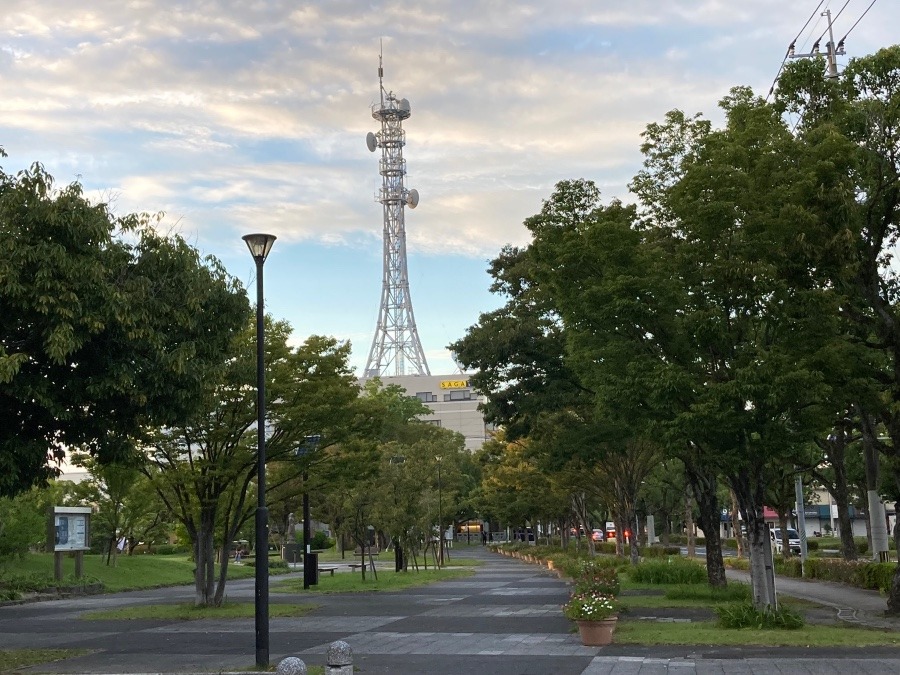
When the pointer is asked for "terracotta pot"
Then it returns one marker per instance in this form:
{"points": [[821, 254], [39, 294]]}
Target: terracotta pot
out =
{"points": [[549, 564], [597, 633]]}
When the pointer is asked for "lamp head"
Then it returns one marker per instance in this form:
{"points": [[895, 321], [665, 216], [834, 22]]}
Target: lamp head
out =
{"points": [[259, 245]]}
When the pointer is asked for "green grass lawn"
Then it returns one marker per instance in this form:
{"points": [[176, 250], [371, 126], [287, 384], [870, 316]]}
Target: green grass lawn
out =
{"points": [[189, 612], [13, 659], [388, 580], [130, 573], [709, 633], [694, 596]]}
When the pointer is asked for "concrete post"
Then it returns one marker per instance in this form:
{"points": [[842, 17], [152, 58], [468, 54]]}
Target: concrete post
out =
{"points": [[291, 665], [339, 659]]}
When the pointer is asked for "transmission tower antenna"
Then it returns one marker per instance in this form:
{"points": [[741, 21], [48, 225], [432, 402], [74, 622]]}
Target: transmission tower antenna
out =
{"points": [[396, 349], [832, 51]]}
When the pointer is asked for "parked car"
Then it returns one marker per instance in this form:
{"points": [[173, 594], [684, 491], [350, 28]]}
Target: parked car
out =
{"points": [[597, 535], [778, 543]]}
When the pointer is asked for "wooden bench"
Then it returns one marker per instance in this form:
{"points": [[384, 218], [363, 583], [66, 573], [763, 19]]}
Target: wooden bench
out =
{"points": [[327, 569], [355, 566]]}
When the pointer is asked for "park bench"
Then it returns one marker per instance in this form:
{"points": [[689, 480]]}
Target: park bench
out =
{"points": [[328, 568]]}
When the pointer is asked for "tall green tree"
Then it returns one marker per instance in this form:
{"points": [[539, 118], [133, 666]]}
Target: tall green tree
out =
{"points": [[107, 328], [852, 127], [205, 470]]}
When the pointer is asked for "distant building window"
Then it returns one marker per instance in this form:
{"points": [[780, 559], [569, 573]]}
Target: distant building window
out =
{"points": [[458, 396], [426, 396], [435, 423]]}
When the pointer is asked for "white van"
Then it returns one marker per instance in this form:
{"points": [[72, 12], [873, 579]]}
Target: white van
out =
{"points": [[778, 544]]}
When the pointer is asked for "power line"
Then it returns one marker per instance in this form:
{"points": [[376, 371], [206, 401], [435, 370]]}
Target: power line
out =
{"points": [[841, 41], [836, 17], [791, 47]]}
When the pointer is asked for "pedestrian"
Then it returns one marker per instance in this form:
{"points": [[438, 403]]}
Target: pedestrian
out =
{"points": [[483, 538]]}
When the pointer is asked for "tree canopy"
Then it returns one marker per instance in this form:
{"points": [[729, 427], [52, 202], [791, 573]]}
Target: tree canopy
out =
{"points": [[107, 328]]}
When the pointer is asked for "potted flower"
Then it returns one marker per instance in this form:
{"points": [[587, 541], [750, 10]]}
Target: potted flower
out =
{"points": [[596, 614]]}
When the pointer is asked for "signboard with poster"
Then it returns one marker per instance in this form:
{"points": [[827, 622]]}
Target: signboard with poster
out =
{"points": [[69, 529]]}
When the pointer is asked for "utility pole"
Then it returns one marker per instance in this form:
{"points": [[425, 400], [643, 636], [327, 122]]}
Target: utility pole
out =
{"points": [[832, 51]]}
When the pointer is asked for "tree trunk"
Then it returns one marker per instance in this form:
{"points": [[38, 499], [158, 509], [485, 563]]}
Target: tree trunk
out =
{"points": [[635, 546], [704, 485], [749, 488], [579, 507], [689, 524], [893, 603], [878, 530], [204, 558], [736, 525]]}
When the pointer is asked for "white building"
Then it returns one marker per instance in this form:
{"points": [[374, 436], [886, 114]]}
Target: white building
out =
{"points": [[453, 402]]}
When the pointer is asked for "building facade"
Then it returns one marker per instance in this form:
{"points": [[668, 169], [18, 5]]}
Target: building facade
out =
{"points": [[453, 403]]}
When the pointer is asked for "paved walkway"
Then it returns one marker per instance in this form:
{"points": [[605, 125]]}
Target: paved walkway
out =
{"points": [[505, 620]]}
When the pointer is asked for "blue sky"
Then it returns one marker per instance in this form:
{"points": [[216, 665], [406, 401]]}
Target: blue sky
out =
{"points": [[235, 117]]}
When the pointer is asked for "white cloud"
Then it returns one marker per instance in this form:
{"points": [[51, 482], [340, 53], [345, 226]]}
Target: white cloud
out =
{"points": [[226, 113]]}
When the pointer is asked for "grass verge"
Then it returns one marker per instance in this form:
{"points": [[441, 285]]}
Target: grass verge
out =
{"points": [[190, 612], [13, 659], [130, 573], [709, 633], [388, 580]]}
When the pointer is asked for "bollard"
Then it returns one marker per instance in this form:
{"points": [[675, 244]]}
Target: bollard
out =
{"points": [[291, 665], [339, 658]]}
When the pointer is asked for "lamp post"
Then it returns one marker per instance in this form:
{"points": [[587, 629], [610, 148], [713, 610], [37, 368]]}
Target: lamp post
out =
{"points": [[440, 515], [260, 245]]}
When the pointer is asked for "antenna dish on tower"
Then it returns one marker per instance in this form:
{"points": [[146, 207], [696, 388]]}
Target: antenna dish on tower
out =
{"points": [[404, 105], [412, 198], [371, 142]]}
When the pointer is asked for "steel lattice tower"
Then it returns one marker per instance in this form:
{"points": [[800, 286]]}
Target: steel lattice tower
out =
{"points": [[396, 349]]}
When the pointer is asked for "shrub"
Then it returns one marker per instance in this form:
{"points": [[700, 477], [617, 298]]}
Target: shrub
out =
{"points": [[596, 578], [273, 564], [319, 541], [169, 549], [745, 615], [591, 606], [657, 551], [673, 571]]}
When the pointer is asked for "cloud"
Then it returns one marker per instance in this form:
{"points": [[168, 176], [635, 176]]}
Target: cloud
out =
{"points": [[225, 113]]}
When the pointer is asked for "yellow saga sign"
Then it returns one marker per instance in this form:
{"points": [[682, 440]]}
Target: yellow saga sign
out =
{"points": [[454, 384]]}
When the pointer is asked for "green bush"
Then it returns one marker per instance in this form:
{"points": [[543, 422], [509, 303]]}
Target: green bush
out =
{"points": [[672, 571], [745, 615], [170, 549], [319, 541], [275, 564], [657, 551], [21, 526], [859, 573], [597, 578]]}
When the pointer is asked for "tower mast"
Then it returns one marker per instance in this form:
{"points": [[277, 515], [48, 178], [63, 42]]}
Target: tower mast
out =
{"points": [[396, 349]]}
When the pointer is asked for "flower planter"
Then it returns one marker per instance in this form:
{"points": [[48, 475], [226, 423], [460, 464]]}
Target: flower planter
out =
{"points": [[597, 633]]}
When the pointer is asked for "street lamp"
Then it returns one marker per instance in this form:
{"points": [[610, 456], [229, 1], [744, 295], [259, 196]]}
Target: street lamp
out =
{"points": [[440, 515], [260, 245]]}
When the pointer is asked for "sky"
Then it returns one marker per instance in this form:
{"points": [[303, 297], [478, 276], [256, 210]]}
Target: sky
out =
{"points": [[246, 116]]}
